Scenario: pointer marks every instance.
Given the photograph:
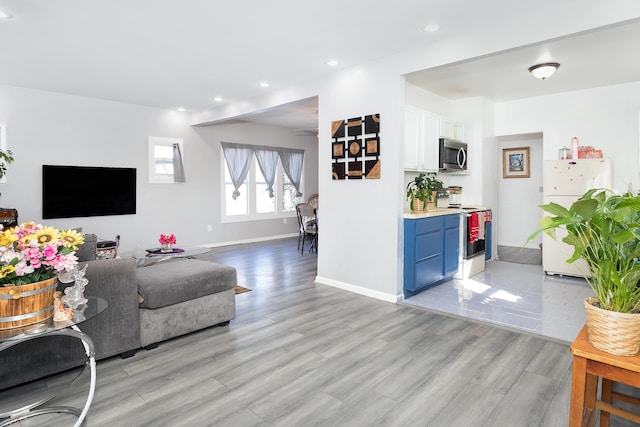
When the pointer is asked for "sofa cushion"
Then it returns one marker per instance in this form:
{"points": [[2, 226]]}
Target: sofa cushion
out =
{"points": [[87, 250], [168, 283]]}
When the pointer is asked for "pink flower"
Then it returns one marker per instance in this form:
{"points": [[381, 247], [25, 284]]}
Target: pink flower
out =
{"points": [[65, 262], [49, 252], [167, 239], [22, 268]]}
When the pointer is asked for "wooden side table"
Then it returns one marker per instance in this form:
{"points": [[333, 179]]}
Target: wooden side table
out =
{"points": [[589, 364]]}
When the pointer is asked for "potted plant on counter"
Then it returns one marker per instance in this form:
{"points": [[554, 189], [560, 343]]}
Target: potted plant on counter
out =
{"points": [[604, 230], [422, 191]]}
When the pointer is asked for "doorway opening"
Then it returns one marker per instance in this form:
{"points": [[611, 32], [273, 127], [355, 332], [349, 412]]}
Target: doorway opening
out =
{"points": [[518, 201]]}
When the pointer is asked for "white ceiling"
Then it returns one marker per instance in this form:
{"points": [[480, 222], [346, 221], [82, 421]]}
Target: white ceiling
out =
{"points": [[593, 59], [170, 53]]}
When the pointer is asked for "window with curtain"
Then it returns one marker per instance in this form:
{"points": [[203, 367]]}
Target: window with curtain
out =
{"points": [[165, 160], [265, 196], [266, 191]]}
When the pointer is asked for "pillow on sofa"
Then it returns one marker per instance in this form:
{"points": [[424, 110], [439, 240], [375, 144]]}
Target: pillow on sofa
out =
{"points": [[107, 249], [87, 250]]}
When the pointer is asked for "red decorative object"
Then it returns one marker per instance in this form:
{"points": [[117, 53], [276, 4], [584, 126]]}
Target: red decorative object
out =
{"points": [[167, 239]]}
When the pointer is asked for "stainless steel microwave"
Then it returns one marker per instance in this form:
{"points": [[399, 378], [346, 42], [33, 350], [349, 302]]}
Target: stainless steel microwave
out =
{"points": [[453, 155]]}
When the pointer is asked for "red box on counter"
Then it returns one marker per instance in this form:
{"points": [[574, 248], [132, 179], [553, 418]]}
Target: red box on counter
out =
{"points": [[589, 154]]}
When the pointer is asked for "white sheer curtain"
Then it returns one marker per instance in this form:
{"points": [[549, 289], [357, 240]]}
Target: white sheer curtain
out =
{"points": [[292, 160], [268, 163], [178, 167], [238, 157]]}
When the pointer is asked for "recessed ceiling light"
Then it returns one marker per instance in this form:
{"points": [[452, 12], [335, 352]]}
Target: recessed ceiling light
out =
{"points": [[218, 99], [182, 109], [431, 28], [333, 63], [4, 15], [264, 84]]}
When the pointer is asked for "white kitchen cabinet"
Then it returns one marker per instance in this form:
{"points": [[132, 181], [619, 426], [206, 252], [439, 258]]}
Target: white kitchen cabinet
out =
{"points": [[422, 130], [431, 142], [413, 129], [451, 130]]}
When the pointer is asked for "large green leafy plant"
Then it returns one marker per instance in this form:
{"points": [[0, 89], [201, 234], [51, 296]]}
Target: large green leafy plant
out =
{"points": [[604, 230]]}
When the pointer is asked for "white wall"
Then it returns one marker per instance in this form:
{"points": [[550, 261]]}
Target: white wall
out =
{"points": [[518, 213], [247, 133], [50, 128], [605, 117], [476, 114], [428, 101], [361, 251]]}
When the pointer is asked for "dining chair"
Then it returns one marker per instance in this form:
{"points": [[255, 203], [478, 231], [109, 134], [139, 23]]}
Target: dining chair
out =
{"points": [[313, 200], [308, 226]]}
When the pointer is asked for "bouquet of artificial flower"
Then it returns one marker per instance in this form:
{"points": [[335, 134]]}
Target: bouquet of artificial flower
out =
{"points": [[167, 239], [32, 253]]}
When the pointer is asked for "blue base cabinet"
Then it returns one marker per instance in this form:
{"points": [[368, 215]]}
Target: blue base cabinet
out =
{"points": [[431, 247]]}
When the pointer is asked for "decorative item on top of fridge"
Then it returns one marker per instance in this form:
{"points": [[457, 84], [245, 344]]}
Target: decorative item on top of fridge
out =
{"points": [[589, 152], [564, 153], [578, 151], [574, 147]]}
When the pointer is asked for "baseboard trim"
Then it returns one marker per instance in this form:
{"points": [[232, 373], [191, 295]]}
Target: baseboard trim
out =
{"points": [[252, 240], [358, 290]]}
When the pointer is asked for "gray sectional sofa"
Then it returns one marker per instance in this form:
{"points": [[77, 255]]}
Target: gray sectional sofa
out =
{"points": [[146, 305]]}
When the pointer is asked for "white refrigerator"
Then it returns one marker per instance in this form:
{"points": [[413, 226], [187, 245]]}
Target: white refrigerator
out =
{"points": [[564, 181]]}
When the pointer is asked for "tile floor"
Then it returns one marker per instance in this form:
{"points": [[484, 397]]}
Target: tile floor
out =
{"points": [[515, 296]]}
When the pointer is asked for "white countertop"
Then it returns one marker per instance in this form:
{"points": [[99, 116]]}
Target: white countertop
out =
{"points": [[426, 214], [440, 211]]}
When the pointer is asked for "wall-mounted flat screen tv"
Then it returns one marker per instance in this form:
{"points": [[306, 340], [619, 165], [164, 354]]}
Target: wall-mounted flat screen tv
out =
{"points": [[82, 191]]}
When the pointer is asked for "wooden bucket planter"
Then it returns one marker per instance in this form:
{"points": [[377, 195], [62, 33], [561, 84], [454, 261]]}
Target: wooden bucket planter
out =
{"points": [[26, 304]]}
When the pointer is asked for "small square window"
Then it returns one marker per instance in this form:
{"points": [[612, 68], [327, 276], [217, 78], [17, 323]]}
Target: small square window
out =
{"points": [[161, 158]]}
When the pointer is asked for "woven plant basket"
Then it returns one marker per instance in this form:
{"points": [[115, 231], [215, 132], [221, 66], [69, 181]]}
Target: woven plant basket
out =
{"points": [[431, 203], [418, 205], [612, 332], [26, 304]]}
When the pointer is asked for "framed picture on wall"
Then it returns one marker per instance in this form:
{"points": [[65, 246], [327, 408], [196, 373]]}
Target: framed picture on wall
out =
{"points": [[515, 162]]}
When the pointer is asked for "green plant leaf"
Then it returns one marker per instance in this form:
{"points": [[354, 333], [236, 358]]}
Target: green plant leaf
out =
{"points": [[556, 209], [622, 236], [585, 208]]}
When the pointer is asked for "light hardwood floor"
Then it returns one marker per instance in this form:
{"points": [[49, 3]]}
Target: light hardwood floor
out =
{"points": [[301, 354]]}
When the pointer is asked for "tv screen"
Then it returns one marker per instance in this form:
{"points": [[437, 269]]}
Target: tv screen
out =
{"points": [[80, 191]]}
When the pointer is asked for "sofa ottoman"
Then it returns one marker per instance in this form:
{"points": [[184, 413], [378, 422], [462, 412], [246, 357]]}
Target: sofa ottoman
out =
{"points": [[181, 296]]}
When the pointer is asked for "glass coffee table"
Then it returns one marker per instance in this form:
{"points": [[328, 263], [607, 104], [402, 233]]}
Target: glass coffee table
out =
{"points": [[154, 256], [16, 336]]}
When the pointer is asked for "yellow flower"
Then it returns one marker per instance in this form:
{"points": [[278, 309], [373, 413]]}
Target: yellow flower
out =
{"points": [[47, 235], [26, 240], [72, 239], [7, 237], [7, 269]]}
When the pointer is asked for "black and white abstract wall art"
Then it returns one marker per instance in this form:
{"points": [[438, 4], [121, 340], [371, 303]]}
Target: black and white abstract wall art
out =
{"points": [[355, 148]]}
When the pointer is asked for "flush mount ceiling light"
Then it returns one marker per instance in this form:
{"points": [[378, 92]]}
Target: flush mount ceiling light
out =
{"points": [[333, 63], [218, 99], [542, 71], [264, 84], [4, 15]]}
